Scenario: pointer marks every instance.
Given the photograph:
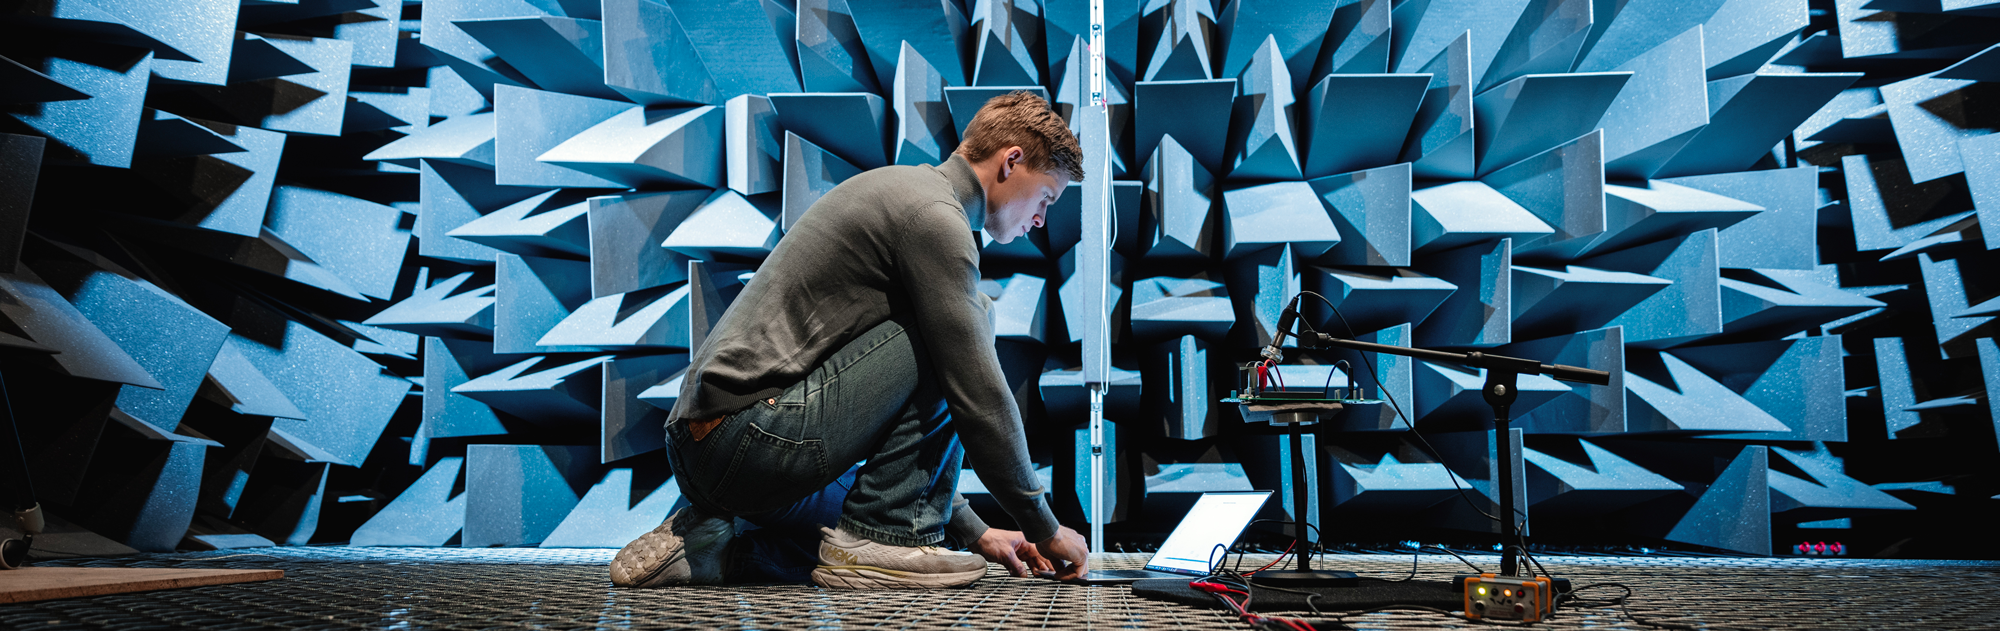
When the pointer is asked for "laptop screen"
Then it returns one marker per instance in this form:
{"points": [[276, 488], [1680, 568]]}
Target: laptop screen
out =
{"points": [[1217, 518]]}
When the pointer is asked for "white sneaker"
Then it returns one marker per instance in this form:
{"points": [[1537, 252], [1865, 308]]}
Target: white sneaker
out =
{"points": [[850, 562], [688, 548]]}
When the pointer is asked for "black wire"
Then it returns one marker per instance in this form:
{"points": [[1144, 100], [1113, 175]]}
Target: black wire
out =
{"points": [[1531, 558], [1229, 604], [1475, 568], [1316, 545], [1623, 606], [1432, 451], [1309, 595], [1214, 567], [1413, 569], [1341, 618], [1413, 563], [1327, 390], [1224, 577]]}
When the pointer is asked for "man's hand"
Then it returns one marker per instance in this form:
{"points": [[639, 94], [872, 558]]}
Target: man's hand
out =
{"points": [[1067, 546], [1012, 550]]}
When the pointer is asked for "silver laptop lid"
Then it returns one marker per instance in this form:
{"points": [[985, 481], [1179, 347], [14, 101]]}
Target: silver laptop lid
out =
{"points": [[1216, 519]]}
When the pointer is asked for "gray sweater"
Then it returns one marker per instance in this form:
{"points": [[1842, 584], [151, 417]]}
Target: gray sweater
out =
{"points": [[901, 240]]}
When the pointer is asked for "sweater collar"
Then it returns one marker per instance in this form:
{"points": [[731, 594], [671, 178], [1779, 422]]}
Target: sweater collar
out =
{"points": [[965, 184]]}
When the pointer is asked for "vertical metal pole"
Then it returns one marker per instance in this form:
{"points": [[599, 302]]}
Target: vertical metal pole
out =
{"points": [[1097, 517], [1098, 168], [1097, 57]]}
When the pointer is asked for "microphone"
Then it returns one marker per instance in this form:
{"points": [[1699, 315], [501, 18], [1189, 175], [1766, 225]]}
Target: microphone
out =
{"points": [[1576, 374], [1285, 323]]}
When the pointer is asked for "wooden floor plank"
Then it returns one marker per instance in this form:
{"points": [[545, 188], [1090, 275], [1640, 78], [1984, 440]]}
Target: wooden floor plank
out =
{"points": [[49, 583]]}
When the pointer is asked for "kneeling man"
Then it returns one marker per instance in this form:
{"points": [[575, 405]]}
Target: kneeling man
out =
{"points": [[864, 339]]}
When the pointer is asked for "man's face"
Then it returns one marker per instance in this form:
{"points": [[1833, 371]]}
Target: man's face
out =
{"points": [[1020, 202]]}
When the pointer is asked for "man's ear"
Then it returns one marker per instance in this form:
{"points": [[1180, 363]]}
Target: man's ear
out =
{"points": [[1010, 159]]}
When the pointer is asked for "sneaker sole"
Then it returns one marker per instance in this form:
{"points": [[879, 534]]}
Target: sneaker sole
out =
{"points": [[656, 575], [870, 577], [652, 577]]}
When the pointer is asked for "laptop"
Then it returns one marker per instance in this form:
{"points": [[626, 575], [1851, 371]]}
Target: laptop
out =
{"points": [[1216, 519]]}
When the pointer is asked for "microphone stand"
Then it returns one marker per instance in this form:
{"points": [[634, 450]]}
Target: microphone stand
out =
{"points": [[1501, 374]]}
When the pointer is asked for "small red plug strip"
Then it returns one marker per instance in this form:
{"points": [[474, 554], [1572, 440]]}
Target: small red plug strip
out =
{"points": [[1209, 587]]}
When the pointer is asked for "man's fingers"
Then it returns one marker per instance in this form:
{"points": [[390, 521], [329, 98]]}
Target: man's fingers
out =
{"points": [[1070, 571], [1016, 567], [1034, 557]]}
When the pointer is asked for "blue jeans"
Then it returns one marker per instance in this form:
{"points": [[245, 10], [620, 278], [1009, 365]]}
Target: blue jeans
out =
{"points": [[787, 551], [779, 463]]}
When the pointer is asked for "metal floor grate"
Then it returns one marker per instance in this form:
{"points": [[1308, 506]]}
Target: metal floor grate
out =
{"points": [[448, 588]]}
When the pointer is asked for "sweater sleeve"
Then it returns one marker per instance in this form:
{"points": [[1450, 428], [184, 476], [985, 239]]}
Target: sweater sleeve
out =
{"points": [[965, 524], [938, 265]]}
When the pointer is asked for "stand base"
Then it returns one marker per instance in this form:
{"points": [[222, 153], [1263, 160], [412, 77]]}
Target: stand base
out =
{"points": [[1306, 578]]}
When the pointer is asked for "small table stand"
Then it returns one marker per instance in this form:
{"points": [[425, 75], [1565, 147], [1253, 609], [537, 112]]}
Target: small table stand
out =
{"points": [[1296, 415]]}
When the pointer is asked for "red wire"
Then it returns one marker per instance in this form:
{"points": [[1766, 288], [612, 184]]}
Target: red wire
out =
{"points": [[1281, 557], [1251, 618], [1294, 624], [1221, 591]]}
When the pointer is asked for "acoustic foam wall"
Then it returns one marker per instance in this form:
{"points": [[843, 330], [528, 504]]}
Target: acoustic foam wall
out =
{"points": [[307, 267]]}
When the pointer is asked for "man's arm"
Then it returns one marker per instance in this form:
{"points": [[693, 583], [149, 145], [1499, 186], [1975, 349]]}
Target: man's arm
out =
{"points": [[965, 525], [1013, 550], [938, 265]]}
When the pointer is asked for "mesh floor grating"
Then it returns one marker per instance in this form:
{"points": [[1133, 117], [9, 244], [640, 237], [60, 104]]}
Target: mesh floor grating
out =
{"points": [[446, 588]]}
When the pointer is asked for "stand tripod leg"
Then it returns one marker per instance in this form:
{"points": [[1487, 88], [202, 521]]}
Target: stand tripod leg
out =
{"points": [[1503, 448], [1304, 575], [17, 494], [1500, 393], [1299, 504]]}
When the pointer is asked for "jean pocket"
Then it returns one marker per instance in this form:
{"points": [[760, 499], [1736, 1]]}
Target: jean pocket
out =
{"points": [[771, 472], [690, 458]]}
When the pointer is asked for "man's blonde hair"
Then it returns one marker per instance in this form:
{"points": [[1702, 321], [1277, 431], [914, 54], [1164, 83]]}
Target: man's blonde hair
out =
{"points": [[1021, 119]]}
